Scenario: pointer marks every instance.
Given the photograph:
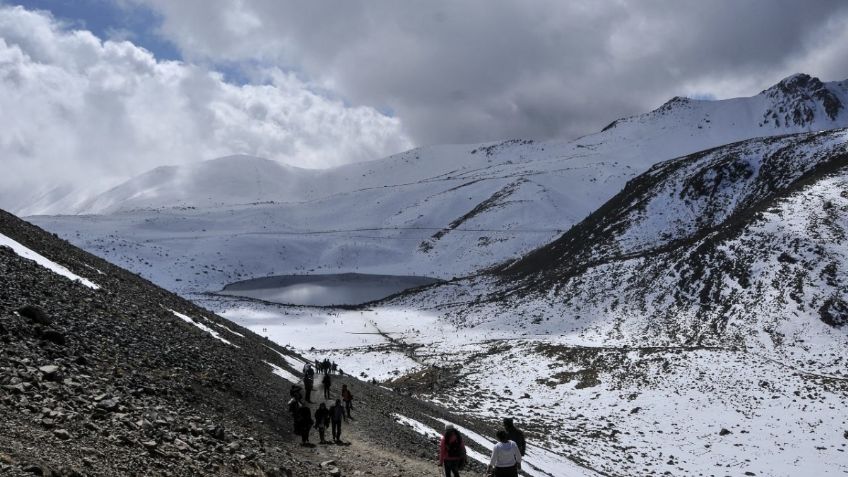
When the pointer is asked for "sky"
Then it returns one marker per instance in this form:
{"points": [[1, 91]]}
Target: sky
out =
{"points": [[97, 91]]}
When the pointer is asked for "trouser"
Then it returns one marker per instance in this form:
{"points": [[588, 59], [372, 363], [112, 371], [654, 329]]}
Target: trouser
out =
{"points": [[452, 467], [321, 431], [506, 471], [326, 392], [304, 435], [337, 430], [348, 407], [308, 388]]}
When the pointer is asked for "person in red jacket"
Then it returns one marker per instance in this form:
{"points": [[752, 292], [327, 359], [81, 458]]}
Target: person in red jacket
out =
{"points": [[451, 451]]}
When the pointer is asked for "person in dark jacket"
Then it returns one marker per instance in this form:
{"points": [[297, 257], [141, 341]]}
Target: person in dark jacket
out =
{"points": [[347, 397], [308, 380], [451, 451], [303, 424], [322, 420], [337, 414], [326, 382], [515, 434]]}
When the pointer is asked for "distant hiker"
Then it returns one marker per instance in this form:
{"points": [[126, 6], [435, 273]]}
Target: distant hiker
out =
{"points": [[303, 424], [333, 367], [347, 397], [337, 414], [506, 458], [326, 382], [515, 434], [322, 420], [451, 451], [326, 366], [308, 380]]}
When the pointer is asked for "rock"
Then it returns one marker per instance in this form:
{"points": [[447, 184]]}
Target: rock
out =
{"points": [[181, 445], [151, 444], [110, 405], [62, 434], [39, 469], [50, 372], [327, 463], [54, 337], [724, 432], [36, 315], [334, 471], [15, 388]]}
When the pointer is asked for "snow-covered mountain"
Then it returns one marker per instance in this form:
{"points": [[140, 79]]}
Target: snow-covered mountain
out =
{"points": [[667, 296], [799, 103], [697, 320], [693, 324], [442, 211]]}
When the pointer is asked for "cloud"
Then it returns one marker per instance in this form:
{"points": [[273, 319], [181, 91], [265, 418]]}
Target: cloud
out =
{"points": [[77, 109], [480, 70]]}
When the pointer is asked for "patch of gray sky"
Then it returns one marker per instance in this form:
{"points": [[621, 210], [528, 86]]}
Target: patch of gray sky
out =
{"points": [[478, 70]]}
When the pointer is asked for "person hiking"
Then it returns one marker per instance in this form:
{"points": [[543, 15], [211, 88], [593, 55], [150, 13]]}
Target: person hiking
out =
{"points": [[326, 382], [326, 366], [333, 367], [308, 380], [322, 421], [451, 451], [294, 403], [303, 424], [347, 397], [337, 414], [515, 434], [506, 458], [295, 392]]}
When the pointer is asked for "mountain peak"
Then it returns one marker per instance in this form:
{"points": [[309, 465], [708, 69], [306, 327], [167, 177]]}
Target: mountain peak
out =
{"points": [[797, 98]]}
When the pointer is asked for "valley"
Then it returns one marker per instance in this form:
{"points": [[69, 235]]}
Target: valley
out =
{"points": [[664, 297]]}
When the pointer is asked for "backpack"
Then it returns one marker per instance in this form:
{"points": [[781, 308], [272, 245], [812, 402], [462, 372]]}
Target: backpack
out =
{"points": [[454, 446], [294, 405]]}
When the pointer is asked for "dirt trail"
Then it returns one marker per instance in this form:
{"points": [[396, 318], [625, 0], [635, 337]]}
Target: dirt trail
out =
{"points": [[362, 457]]}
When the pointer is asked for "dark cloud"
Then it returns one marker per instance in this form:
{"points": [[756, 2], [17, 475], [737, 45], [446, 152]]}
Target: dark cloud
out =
{"points": [[479, 70]]}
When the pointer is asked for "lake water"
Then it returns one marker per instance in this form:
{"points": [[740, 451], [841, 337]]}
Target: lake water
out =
{"points": [[324, 290]]}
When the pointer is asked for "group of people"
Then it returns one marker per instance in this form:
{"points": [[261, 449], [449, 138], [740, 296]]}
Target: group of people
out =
{"points": [[327, 366], [324, 417], [506, 455]]}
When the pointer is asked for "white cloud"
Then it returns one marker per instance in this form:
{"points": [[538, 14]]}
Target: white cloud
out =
{"points": [[475, 70], [76, 108]]}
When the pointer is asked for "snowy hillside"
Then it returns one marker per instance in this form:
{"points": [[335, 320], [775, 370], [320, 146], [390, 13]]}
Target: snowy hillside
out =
{"points": [[440, 211], [713, 286], [694, 324]]}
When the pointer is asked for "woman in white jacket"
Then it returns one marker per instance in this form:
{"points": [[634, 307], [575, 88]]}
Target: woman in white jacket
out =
{"points": [[506, 458]]}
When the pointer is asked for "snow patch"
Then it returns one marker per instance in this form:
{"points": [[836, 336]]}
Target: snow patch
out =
{"points": [[203, 327], [45, 262]]}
